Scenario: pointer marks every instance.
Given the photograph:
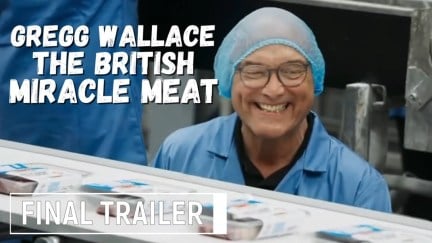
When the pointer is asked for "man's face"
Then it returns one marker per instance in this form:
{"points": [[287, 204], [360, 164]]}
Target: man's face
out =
{"points": [[274, 110]]}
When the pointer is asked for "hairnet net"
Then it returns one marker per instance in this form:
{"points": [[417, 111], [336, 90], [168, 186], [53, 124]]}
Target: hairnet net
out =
{"points": [[266, 26]]}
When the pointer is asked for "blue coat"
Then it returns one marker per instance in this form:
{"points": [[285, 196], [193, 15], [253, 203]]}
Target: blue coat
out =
{"points": [[105, 130], [327, 170]]}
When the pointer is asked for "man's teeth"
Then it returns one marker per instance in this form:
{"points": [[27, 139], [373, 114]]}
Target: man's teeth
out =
{"points": [[272, 108]]}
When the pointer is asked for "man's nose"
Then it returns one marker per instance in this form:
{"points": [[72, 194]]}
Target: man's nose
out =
{"points": [[274, 86]]}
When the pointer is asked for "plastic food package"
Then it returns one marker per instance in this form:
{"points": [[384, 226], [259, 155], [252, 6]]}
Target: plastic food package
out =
{"points": [[252, 219], [31, 178], [129, 191], [372, 234]]}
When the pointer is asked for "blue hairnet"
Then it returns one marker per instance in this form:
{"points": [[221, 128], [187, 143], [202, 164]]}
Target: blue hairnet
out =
{"points": [[266, 26]]}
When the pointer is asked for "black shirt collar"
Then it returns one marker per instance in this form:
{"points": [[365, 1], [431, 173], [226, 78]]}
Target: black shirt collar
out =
{"points": [[251, 174]]}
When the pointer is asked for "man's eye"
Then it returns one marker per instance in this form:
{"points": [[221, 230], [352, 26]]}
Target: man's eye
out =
{"points": [[291, 71], [254, 74]]}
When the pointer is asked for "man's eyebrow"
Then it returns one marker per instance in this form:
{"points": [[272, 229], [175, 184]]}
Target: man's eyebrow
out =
{"points": [[244, 63], [297, 61], [247, 62]]}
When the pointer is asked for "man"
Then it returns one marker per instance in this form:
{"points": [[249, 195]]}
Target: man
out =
{"points": [[271, 67]]}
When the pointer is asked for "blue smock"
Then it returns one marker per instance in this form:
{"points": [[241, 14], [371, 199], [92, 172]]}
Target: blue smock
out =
{"points": [[327, 170], [105, 130]]}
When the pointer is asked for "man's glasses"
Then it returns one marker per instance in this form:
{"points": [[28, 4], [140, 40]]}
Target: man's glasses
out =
{"points": [[257, 76]]}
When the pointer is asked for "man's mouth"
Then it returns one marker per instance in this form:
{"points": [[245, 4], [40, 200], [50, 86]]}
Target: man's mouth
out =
{"points": [[272, 108]]}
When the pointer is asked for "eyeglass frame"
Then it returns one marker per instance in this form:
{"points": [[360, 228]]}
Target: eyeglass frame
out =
{"points": [[270, 71]]}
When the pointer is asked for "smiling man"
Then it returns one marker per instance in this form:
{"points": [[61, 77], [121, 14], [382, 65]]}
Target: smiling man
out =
{"points": [[271, 68]]}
